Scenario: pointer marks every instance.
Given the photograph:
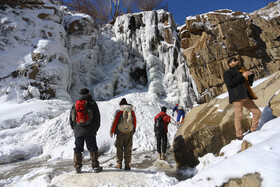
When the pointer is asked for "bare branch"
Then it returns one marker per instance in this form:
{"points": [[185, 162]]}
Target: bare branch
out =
{"points": [[101, 10]]}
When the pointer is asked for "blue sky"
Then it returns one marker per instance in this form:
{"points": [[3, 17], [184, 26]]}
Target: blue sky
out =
{"points": [[181, 9]]}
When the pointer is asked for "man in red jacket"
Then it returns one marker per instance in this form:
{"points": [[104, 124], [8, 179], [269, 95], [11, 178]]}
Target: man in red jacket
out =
{"points": [[124, 126], [161, 122]]}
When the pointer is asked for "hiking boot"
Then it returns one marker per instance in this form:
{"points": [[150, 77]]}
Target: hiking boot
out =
{"points": [[127, 167], [94, 159], [78, 162], [163, 156], [119, 166], [97, 169], [78, 170], [159, 156], [239, 138]]}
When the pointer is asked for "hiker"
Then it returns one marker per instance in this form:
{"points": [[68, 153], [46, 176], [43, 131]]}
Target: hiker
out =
{"points": [[180, 113], [161, 129], [85, 121], [124, 126], [239, 82]]}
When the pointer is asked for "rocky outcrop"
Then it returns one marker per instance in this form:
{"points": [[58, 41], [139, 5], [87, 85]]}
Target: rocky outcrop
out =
{"points": [[249, 180], [210, 126], [43, 55], [40, 60], [210, 39], [267, 21]]}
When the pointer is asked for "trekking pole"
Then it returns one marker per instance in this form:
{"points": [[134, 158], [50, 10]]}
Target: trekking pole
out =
{"points": [[174, 122]]}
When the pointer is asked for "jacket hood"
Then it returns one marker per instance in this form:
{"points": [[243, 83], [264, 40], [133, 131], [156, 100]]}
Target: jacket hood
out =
{"points": [[127, 107]]}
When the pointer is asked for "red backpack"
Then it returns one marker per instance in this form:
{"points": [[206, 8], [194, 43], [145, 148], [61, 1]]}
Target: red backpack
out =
{"points": [[83, 113]]}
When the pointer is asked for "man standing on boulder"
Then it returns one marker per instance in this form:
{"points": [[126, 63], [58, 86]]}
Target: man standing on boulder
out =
{"points": [[239, 82], [85, 121]]}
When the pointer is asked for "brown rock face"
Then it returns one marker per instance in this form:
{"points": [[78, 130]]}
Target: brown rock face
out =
{"points": [[210, 126], [209, 40]]}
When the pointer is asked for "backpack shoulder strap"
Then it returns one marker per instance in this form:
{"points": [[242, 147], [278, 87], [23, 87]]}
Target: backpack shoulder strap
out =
{"points": [[163, 115]]}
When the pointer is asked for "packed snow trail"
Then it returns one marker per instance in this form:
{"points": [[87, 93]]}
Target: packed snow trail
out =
{"points": [[146, 171], [145, 109], [42, 134]]}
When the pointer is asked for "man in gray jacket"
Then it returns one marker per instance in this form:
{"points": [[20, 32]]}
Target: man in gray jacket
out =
{"points": [[85, 129]]}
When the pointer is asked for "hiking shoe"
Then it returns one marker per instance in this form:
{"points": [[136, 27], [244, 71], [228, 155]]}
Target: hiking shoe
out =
{"points": [[239, 138], [127, 168], [159, 156], [247, 132], [119, 166], [78, 170], [163, 156], [97, 169]]}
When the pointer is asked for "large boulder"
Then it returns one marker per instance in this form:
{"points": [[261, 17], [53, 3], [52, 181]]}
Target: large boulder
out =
{"points": [[210, 39], [210, 126]]}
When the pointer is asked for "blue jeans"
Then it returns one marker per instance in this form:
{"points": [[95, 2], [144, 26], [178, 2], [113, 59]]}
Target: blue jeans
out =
{"points": [[90, 142]]}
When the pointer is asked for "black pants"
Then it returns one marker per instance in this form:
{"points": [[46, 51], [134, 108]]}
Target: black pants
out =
{"points": [[161, 143], [90, 142]]}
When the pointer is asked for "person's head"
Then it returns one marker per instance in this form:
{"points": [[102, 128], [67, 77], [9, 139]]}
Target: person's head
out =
{"points": [[84, 91], [232, 62], [177, 104], [163, 109], [123, 102]]}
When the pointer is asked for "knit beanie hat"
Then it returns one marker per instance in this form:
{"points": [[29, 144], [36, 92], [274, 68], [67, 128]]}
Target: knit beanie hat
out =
{"points": [[84, 91], [123, 102]]}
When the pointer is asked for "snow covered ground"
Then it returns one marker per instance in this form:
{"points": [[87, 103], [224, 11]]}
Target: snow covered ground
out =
{"points": [[40, 130]]}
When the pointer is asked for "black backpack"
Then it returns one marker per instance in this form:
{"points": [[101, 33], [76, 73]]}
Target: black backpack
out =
{"points": [[159, 127]]}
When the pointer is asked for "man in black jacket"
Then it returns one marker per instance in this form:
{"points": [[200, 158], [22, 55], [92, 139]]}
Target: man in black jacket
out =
{"points": [[86, 133], [238, 83]]}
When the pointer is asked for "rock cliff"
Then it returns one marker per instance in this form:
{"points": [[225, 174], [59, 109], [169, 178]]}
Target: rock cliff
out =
{"points": [[210, 39], [207, 42]]}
